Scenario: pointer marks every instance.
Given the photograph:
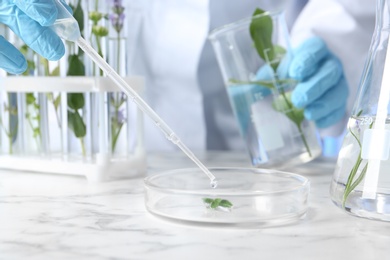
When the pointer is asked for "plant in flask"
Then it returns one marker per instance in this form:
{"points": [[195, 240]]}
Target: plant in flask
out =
{"points": [[261, 30], [359, 168]]}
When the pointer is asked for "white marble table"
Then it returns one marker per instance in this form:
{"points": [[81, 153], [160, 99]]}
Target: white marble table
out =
{"points": [[60, 217]]}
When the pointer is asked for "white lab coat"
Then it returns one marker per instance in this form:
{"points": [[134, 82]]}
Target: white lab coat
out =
{"points": [[169, 47]]}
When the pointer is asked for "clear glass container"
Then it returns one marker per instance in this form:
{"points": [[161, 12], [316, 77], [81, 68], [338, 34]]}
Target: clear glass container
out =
{"points": [[361, 181], [255, 74], [34, 125], [244, 196], [65, 116], [10, 115]]}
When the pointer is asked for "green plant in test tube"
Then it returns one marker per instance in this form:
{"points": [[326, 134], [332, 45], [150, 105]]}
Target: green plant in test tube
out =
{"points": [[10, 128], [98, 30], [32, 105], [76, 101], [117, 17], [261, 33], [33, 117]]}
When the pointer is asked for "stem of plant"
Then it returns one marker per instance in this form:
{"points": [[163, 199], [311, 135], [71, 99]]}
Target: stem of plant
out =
{"points": [[115, 138], [99, 50], [351, 185], [297, 124], [37, 138], [83, 146], [119, 53], [10, 145]]}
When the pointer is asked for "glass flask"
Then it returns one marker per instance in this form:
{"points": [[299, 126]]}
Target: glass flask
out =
{"points": [[276, 133], [361, 181]]}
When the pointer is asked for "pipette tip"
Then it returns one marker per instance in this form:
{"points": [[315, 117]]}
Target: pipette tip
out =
{"points": [[213, 183]]}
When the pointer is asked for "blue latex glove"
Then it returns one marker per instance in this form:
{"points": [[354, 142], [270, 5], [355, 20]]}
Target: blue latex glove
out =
{"points": [[29, 20], [322, 89]]}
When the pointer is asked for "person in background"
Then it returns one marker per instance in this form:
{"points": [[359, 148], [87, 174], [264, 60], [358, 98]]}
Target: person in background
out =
{"points": [[169, 47], [184, 83]]}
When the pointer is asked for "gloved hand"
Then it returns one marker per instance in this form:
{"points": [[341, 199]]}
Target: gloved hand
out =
{"points": [[322, 89], [29, 20]]}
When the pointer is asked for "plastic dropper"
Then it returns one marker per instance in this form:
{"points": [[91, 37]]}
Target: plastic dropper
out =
{"points": [[68, 29]]}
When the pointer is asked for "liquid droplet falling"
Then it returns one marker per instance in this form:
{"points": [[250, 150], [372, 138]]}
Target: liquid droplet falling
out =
{"points": [[213, 184]]}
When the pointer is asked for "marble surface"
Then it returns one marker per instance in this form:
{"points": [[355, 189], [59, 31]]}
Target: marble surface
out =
{"points": [[43, 216]]}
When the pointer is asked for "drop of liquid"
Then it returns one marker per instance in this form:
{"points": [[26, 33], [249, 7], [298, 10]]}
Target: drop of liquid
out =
{"points": [[213, 184]]}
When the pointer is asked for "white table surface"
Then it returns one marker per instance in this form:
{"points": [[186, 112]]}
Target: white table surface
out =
{"points": [[45, 216]]}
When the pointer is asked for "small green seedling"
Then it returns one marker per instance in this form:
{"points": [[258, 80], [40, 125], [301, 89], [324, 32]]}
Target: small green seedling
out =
{"points": [[215, 203]]}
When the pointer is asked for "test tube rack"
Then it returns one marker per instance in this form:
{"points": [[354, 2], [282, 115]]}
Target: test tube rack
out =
{"points": [[81, 126]]}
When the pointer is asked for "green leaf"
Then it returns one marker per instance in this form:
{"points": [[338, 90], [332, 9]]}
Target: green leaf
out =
{"points": [[225, 204], [261, 32], [36, 132], [264, 83], [215, 203], [30, 99], [279, 54], [283, 104], [55, 72], [76, 124], [24, 49], [76, 66], [75, 100], [78, 14], [279, 50], [207, 200], [57, 102]]}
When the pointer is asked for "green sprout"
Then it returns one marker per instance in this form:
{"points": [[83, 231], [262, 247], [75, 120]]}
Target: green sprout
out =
{"points": [[217, 203]]}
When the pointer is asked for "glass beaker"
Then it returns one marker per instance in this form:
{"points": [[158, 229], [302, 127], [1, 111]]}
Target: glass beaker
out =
{"points": [[253, 55], [361, 181]]}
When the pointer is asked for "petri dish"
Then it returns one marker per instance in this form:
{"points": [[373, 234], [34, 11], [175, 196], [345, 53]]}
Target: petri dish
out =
{"points": [[243, 197]]}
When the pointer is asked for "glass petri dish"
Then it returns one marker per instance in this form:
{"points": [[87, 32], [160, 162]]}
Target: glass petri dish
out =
{"points": [[244, 196]]}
